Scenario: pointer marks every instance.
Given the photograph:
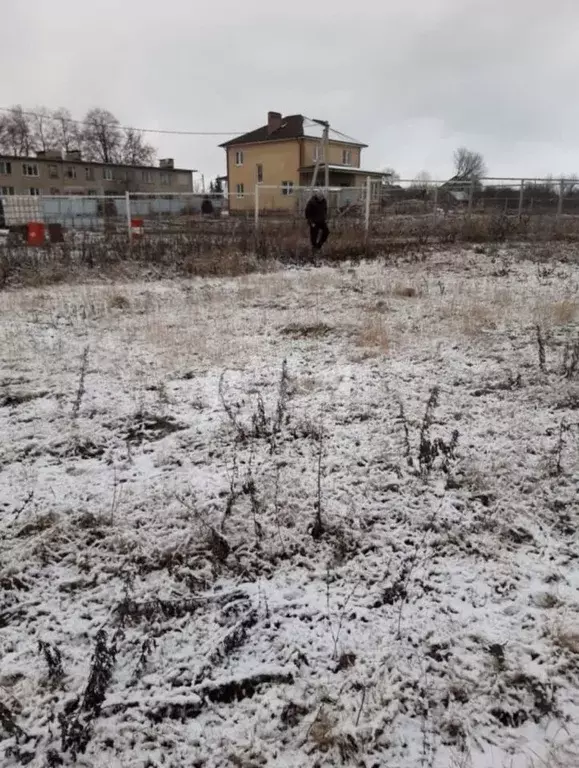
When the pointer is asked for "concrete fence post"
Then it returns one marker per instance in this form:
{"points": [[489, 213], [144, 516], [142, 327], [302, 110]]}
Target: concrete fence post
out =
{"points": [[128, 210], [367, 209], [561, 194], [435, 205], [471, 194], [521, 198]]}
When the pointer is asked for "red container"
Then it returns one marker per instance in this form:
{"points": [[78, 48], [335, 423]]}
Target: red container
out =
{"points": [[35, 233], [137, 227]]}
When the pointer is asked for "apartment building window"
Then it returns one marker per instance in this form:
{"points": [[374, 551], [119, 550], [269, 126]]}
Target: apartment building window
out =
{"points": [[347, 157], [89, 173], [259, 173], [54, 191], [147, 177], [239, 157], [92, 192], [108, 174], [34, 192], [53, 171], [165, 179], [5, 168], [287, 188], [6, 191], [70, 172], [240, 190], [30, 169]]}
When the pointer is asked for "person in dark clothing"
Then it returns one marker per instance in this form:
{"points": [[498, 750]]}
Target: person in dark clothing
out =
{"points": [[317, 214], [206, 206]]}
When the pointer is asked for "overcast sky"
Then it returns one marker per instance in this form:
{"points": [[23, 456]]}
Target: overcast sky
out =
{"points": [[413, 80]]}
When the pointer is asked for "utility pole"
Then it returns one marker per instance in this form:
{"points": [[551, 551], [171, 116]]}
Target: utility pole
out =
{"points": [[325, 154], [326, 139]]}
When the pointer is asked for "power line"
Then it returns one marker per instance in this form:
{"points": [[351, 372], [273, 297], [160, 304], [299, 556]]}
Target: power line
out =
{"points": [[132, 128], [333, 130]]}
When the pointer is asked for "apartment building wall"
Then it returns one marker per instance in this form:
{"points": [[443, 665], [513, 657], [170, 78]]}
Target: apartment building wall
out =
{"points": [[56, 176]]}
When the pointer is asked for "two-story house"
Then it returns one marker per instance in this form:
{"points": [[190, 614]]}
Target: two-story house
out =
{"points": [[281, 157]]}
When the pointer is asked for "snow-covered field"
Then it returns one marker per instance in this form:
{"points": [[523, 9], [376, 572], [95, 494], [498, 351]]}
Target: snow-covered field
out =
{"points": [[365, 555]]}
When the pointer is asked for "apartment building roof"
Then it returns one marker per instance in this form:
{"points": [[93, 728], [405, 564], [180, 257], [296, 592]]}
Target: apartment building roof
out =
{"points": [[72, 160]]}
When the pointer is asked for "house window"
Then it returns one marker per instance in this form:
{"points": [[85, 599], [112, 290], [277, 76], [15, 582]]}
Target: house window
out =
{"points": [[92, 192], [239, 157], [34, 192], [29, 169], [108, 174], [287, 187], [70, 172], [316, 154], [165, 179], [53, 171], [240, 190], [6, 191], [147, 177], [54, 191], [347, 157], [89, 173], [5, 168], [259, 173]]}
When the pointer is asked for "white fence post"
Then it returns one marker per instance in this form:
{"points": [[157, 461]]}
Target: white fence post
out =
{"points": [[560, 201], [435, 204], [128, 207], [367, 211], [256, 211], [521, 197]]}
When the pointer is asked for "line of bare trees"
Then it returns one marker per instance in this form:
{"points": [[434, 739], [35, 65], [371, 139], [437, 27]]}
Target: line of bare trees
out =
{"points": [[99, 136]]}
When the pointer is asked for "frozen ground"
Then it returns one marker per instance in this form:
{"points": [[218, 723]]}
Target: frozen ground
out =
{"points": [[367, 556]]}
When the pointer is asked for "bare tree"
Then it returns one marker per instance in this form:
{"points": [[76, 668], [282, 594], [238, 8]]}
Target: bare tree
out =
{"points": [[43, 129], [422, 180], [102, 138], [135, 150], [66, 131], [16, 133], [390, 176], [468, 164], [569, 183]]}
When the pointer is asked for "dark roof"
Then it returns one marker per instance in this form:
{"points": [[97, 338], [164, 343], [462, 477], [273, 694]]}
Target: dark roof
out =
{"points": [[76, 161], [292, 127]]}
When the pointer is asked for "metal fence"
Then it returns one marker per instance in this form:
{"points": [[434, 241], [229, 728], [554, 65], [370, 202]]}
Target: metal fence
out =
{"points": [[356, 207]]}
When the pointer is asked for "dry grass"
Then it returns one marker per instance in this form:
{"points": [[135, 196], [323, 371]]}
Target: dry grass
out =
{"points": [[565, 311], [373, 334], [405, 291], [566, 639]]}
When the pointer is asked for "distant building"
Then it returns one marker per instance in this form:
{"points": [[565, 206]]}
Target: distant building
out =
{"points": [[284, 154], [52, 173]]}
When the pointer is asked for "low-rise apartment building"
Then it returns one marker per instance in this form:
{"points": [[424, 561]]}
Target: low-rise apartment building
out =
{"points": [[54, 173]]}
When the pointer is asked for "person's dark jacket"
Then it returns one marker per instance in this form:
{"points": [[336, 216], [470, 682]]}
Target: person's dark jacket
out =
{"points": [[207, 206], [317, 210]]}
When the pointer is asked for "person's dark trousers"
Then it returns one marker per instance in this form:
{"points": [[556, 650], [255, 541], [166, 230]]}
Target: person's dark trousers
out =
{"points": [[319, 233]]}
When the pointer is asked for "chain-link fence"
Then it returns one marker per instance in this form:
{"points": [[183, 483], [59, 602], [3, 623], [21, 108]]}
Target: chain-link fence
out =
{"points": [[372, 206]]}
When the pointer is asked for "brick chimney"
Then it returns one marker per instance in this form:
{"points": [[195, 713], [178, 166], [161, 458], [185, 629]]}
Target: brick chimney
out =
{"points": [[273, 121]]}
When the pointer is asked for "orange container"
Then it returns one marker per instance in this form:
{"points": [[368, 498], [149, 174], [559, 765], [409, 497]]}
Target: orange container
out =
{"points": [[35, 233], [137, 227]]}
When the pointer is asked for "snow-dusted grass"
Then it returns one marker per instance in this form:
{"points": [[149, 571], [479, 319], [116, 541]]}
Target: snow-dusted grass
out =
{"points": [[367, 556]]}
